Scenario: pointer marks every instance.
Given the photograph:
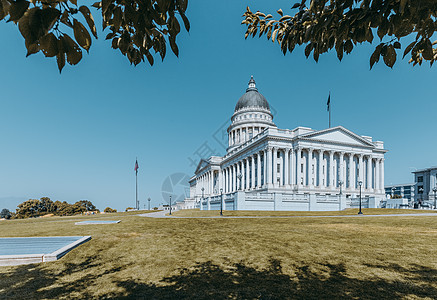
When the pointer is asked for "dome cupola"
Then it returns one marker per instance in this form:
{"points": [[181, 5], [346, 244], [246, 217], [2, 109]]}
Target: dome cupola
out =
{"points": [[251, 117], [252, 98]]}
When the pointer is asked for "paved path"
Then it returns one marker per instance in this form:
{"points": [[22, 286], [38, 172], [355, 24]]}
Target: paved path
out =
{"points": [[162, 214]]}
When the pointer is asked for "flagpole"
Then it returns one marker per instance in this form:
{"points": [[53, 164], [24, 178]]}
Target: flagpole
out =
{"points": [[136, 189], [329, 108], [136, 183]]}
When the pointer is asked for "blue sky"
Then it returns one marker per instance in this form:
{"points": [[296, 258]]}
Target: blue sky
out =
{"points": [[76, 136]]}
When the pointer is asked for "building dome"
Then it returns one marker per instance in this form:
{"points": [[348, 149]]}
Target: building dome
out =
{"points": [[252, 98]]}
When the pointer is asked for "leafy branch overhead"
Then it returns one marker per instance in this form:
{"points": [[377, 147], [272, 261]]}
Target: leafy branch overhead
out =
{"points": [[137, 27], [342, 24]]}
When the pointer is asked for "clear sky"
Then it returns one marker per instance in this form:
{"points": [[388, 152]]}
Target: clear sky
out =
{"points": [[76, 136]]}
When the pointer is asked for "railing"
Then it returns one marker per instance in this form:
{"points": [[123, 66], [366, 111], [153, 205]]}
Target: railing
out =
{"points": [[264, 197], [296, 198], [327, 199]]}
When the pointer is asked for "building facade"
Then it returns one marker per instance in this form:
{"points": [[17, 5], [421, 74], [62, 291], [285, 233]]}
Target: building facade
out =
{"points": [[406, 191], [426, 185], [267, 168]]}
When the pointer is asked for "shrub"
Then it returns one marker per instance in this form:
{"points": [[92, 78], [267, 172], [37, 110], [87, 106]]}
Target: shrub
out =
{"points": [[110, 210], [5, 213]]}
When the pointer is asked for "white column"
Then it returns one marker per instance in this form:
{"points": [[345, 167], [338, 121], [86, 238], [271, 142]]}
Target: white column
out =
{"points": [[258, 165], [286, 167], [247, 174], [225, 180], [320, 168], [369, 172], [238, 180], [382, 175], [293, 167], [243, 174], [253, 172], [299, 167], [377, 174], [341, 169], [265, 167], [269, 166], [351, 174], [275, 175], [360, 166], [220, 181], [310, 168], [330, 172]]}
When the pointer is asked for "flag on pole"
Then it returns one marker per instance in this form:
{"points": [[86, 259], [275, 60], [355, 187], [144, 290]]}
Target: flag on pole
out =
{"points": [[329, 102], [136, 166]]}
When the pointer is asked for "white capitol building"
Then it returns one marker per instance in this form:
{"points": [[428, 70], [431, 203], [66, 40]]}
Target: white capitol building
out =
{"points": [[266, 168]]}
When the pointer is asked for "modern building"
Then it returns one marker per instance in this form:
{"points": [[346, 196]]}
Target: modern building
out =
{"points": [[406, 191], [267, 168], [426, 185]]}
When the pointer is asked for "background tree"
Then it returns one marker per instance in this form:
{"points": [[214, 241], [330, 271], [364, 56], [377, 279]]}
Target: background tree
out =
{"points": [[84, 206], [136, 27], [5, 213], [342, 24], [110, 210], [28, 209]]}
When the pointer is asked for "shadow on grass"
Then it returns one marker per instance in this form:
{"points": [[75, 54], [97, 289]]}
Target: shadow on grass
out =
{"points": [[238, 281]]}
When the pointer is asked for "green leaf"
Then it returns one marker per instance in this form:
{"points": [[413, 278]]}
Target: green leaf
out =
{"points": [[390, 56], [17, 9], [89, 19], [173, 45], [60, 57], [375, 55], [409, 47], [73, 51], [186, 22], [49, 16], [81, 35], [49, 45]]}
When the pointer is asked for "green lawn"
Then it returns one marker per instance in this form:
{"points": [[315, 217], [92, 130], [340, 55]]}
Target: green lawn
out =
{"points": [[264, 258]]}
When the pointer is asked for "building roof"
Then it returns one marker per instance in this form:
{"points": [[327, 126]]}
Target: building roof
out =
{"points": [[424, 170], [252, 98]]}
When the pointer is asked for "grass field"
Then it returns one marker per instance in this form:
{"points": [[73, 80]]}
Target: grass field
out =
{"points": [[264, 258]]}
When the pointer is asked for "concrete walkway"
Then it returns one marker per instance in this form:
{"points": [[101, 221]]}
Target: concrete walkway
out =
{"points": [[162, 214]]}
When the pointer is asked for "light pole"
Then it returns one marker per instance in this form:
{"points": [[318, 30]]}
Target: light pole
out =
{"points": [[340, 183], [221, 202], [360, 183], [170, 205], [435, 191], [149, 202]]}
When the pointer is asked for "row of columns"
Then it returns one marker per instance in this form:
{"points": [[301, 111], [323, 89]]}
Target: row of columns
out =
{"points": [[241, 135], [262, 169]]}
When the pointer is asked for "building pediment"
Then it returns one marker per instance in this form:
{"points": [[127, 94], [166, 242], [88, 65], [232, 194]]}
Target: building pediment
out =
{"points": [[202, 164], [338, 135]]}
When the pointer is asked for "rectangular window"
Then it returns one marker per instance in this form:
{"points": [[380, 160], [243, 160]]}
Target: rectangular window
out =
{"points": [[301, 168], [419, 178], [323, 169], [312, 180], [279, 168], [313, 169], [301, 180], [278, 155]]}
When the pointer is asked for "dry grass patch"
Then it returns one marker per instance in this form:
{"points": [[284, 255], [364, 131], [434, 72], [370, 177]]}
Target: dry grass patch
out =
{"points": [[265, 258]]}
